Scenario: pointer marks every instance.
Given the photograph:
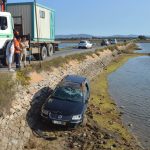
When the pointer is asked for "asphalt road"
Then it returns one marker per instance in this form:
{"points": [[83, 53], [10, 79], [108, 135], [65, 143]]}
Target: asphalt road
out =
{"points": [[62, 53]]}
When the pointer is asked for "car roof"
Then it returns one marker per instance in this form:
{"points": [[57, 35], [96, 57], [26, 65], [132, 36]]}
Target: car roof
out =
{"points": [[74, 79]]}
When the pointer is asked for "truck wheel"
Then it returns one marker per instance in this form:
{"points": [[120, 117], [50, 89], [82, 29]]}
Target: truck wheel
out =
{"points": [[43, 53], [50, 49]]}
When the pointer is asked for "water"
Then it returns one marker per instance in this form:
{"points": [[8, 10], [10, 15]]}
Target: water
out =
{"points": [[68, 45], [129, 86], [145, 48]]}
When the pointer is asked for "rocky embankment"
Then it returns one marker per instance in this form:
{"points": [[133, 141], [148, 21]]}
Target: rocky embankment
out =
{"points": [[22, 128]]}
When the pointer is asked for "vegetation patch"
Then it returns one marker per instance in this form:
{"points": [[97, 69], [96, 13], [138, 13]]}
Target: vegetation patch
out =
{"points": [[23, 78], [108, 116], [7, 91]]}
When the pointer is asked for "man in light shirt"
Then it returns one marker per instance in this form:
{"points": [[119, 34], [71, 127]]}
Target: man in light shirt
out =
{"points": [[24, 45], [10, 54]]}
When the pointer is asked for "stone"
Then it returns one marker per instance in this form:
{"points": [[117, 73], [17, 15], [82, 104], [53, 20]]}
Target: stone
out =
{"points": [[107, 136], [27, 134], [22, 129], [130, 124], [14, 141], [13, 147], [23, 123], [11, 117], [75, 144]]}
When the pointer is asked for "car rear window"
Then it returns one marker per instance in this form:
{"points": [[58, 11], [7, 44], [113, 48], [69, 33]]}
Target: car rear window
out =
{"points": [[3, 23]]}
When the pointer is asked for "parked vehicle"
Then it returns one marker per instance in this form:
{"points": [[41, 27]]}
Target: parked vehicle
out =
{"points": [[113, 41], [84, 44], [68, 102], [105, 42], [22, 17]]}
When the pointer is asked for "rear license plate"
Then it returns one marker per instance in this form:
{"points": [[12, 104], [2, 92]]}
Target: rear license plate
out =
{"points": [[59, 122]]}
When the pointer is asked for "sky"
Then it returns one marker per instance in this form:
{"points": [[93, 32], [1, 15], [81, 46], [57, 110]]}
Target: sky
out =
{"points": [[100, 17]]}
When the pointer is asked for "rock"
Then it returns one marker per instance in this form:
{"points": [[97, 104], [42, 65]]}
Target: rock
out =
{"points": [[71, 145], [27, 134], [121, 113], [107, 136], [23, 123], [122, 107], [12, 111], [14, 141], [75, 144], [79, 146], [130, 124], [65, 133], [114, 145], [110, 122], [104, 142], [22, 129], [1, 115], [111, 147], [70, 138]]}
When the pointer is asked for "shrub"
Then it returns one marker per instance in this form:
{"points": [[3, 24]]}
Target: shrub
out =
{"points": [[7, 91]]}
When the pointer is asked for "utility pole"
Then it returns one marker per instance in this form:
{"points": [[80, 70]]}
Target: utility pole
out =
{"points": [[37, 32]]}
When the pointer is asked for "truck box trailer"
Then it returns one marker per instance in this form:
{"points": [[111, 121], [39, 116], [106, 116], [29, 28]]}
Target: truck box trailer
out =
{"points": [[24, 16], [36, 21]]}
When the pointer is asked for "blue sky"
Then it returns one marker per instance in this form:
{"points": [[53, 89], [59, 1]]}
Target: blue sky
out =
{"points": [[100, 17]]}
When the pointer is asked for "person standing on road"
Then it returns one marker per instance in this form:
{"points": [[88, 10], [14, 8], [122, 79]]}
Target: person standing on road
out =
{"points": [[24, 45], [10, 54], [18, 51]]}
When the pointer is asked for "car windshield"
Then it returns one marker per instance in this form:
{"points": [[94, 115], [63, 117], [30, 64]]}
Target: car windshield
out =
{"points": [[3, 23], [69, 92]]}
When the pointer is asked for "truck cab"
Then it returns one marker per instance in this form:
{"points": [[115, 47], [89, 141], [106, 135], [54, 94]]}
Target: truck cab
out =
{"points": [[6, 31]]}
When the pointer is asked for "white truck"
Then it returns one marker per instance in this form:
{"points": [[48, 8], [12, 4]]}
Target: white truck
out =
{"points": [[35, 21]]}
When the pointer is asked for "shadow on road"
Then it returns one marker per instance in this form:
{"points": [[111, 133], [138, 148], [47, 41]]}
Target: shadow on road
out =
{"points": [[39, 127]]}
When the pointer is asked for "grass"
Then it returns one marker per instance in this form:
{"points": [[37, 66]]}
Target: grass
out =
{"points": [[22, 75], [110, 118], [7, 91]]}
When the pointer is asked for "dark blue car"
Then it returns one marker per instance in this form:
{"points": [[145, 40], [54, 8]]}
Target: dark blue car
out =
{"points": [[68, 102]]}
